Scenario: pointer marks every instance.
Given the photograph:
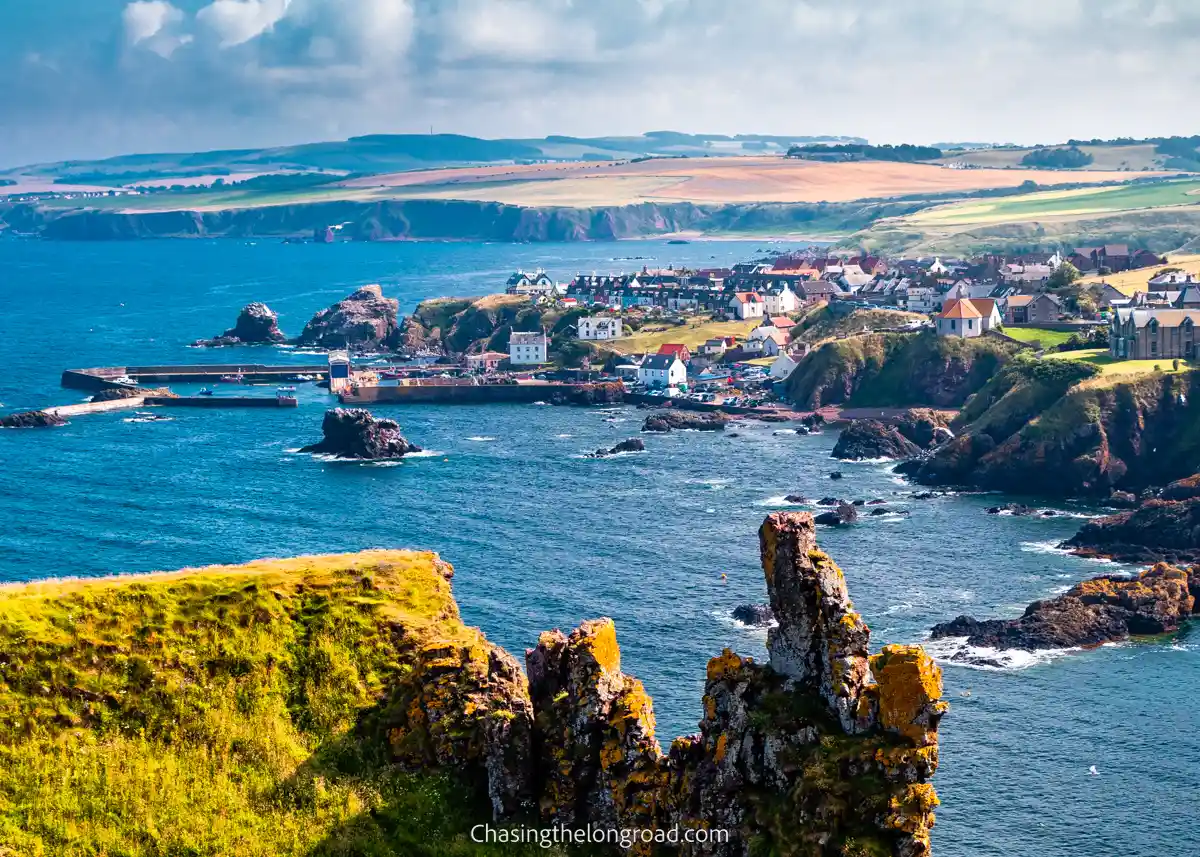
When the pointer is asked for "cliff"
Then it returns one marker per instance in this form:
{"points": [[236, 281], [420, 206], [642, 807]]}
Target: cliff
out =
{"points": [[435, 219], [1053, 428], [1163, 527], [461, 325], [895, 370], [337, 704]]}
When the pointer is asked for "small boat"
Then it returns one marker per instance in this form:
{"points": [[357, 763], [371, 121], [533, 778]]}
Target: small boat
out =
{"points": [[285, 389], [205, 392], [232, 379], [125, 380]]}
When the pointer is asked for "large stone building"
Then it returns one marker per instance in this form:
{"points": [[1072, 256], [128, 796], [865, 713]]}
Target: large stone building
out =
{"points": [[1153, 334]]}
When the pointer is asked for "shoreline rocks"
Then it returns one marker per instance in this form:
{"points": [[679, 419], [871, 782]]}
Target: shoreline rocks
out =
{"points": [[1161, 528], [364, 321], [355, 433], [866, 439], [584, 395], [256, 324], [754, 615], [31, 419], [113, 394], [840, 517], [665, 421], [1104, 609]]}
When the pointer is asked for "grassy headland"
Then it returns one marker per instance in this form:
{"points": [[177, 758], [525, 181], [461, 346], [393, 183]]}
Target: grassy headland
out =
{"points": [[221, 711]]}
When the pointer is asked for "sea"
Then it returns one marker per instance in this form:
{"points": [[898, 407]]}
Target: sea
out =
{"points": [[664, 542]]}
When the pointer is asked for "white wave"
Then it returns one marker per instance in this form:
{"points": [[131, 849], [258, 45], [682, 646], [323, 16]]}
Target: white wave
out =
{"points": [[1050, 547], [956, 651], [883, 460], [148, 420], [540, 402], [784, 431], [616, 420], [480, 438], [425, 453], [779, 500], [710, 511], [725, 617], [564, 435], [902, 607], [713, 484], [294, 449]]}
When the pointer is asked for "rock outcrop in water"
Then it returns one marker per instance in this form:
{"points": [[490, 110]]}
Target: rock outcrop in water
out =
{"points": [[357, 433], [31, 419], [633, 444], [1161, 528], [754, 615], [865, 439], [664, 421], [365, 321], [112, 394], [256, 324], [825, 751], [1101, 610]]}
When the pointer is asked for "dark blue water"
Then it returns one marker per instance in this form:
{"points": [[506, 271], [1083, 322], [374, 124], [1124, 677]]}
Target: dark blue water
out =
{"points": [[541, 537]]}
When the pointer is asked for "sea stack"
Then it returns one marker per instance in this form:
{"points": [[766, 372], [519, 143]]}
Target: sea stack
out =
{"points": [[365, 321], [256, 324], [356, 433]]}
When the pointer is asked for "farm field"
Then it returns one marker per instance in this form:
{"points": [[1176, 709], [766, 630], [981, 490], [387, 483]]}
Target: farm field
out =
{"points": [[716, 181], [1139, 156], [691, 335]]}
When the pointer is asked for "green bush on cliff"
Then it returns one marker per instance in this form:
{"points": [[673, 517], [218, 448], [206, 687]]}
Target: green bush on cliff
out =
{"points": [[222, 712]]}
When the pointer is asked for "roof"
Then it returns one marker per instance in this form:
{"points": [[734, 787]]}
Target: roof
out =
{"points": [[745, 297], [659, 361], [523, 338], [674, 348], [1164, 317], [488, 355], [1116, 249], [983, 306], [779, 337], [1020, 300], [782, 322], [955, 308]]}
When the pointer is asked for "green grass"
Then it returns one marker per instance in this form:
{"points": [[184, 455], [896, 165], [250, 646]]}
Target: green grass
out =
{"points": [[693, 334], [1037, 336], [223, 711], [1109, 366]]}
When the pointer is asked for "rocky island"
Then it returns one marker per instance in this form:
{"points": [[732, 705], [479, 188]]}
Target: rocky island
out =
{"points": [[357, 433], [279, 671], [31, 419], [1104, 609], [1165, 526], [365, 321], [665, 421], [256, 324]]}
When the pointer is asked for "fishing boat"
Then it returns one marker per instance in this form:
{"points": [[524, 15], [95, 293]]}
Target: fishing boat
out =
{"points": [[232, 379], [205, 392]]}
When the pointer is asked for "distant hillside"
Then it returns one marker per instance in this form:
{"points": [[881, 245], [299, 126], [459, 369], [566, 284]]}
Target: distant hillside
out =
{"points": [[384, 153], [904, 153]]}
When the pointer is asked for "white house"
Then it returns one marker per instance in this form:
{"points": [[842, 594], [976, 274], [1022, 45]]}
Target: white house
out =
{"points": [[774, 343], [780, 301], [744, 305], [537, 283], [662, 370], [782, 367], [599, 327], [922, 299], [967, 318], [527, 349], [937, 267]]}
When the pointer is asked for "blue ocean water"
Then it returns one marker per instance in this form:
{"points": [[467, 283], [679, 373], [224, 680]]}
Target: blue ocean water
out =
{"points": [[541, 537]]}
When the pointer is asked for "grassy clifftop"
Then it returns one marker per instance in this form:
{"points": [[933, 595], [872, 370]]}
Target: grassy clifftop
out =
{"points": [[896, 369], [226, 710]]}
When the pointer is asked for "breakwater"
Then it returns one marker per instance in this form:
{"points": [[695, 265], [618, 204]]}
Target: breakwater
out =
{"points": [[457, 393], [105, 377]]}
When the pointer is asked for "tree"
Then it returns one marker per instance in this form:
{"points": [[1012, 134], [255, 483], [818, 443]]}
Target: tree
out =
{"points": [[1064, 275]]}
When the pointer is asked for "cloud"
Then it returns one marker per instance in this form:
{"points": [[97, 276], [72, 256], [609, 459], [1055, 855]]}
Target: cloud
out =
{"points": [[236, 22], [115, 76], [152, 23]]}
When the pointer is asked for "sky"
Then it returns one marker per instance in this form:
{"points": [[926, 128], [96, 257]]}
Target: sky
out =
{"points": [[96, 78]]}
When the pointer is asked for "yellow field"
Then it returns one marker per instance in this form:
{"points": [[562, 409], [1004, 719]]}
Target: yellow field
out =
{"points": [[1140, 156], [1109, 367], [649, 339], [1128, 282]]}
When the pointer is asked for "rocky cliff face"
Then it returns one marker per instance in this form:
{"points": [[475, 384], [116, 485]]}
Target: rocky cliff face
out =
{"points": [[827, 750], [1165, 527], [365, 321], [909, 435], [896, 370], [256, 324], [1049, 427], [1101, 610]]}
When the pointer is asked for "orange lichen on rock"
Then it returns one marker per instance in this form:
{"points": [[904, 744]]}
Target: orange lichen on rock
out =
{"points": [[910, 691]]}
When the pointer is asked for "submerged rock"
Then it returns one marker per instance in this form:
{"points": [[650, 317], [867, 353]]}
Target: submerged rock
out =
{"points": [[256, 324], [664, 421], [1101, 610], [873, 439], [795, 498], [633, 444], [754, 615], [365, 321], [31, 419], [837, 474], [357, 433], [844, 514]]}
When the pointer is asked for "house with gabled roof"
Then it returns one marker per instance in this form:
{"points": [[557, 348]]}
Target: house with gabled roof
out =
{"points": [[967, 317]]}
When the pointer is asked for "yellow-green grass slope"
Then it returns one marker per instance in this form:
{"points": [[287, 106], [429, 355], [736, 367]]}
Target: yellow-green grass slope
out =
{"points": [[222, 711]]}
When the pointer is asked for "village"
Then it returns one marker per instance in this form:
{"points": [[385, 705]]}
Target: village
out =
{"points": [[696, 334]]}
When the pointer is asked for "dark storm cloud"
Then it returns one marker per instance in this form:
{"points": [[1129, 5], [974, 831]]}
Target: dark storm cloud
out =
{"points": [[92, 77]]}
